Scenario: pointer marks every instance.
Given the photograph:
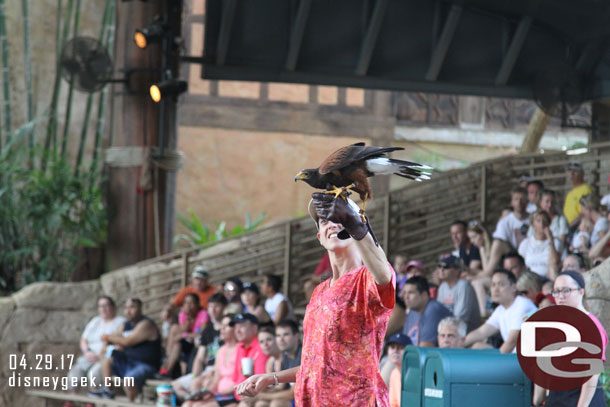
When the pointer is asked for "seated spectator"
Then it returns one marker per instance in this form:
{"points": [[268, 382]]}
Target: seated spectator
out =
{"points": [[250, 297], [547, 287], [569, 290], [451, 333], [510, 230], [277, 305], [210, 341], [529, 284], [400, 267], [581, 240], [168, 318], [399, 313], [396, 348], [218, 381], [533, 190], [590, 210], [544, 300], [508, 315], [574, 261], [571, 207], [200, 285], [600, 251], [246, 331], [513, 262], [424, 312], [559, 225], [135, 351], [232, 291], [464, 249], [321, 273], [92, 345], [191, 321], [455, 293], [541, 251], [480, 239]]}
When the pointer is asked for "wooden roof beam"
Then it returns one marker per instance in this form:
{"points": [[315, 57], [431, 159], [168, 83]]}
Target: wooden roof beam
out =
{"points": [[516, 44], [370, 39], [226, 23], [296, 36], [440, 51]]}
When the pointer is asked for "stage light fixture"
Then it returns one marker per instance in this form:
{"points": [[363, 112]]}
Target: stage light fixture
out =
{"points": [[151, 34], [167, 88]]}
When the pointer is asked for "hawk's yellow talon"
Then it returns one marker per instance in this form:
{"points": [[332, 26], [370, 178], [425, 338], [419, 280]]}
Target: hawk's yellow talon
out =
{"points": [[338, 191]]}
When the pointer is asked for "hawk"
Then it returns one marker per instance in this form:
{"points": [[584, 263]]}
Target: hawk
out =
{"points": [[350, 168]]}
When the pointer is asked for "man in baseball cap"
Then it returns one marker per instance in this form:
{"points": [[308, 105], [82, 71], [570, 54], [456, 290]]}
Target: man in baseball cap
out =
{"points": [[200, 285], [396, 348], [571, 207]]}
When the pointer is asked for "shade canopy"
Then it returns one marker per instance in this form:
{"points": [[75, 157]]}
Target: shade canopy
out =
{"points": [[478, 47]]}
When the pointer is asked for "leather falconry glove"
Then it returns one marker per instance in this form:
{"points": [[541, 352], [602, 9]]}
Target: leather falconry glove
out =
{"points": [[338, 210]]}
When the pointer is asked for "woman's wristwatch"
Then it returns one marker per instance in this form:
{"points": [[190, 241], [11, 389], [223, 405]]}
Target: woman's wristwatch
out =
{"points": [[276, 382]]}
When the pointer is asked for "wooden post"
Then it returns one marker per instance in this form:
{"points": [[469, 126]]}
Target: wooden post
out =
{"points": [[287, 257], [535, 131], [185, 268]]}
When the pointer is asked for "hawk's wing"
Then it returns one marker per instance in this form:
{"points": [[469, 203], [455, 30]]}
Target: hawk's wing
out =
{"points": [[348, 155]]}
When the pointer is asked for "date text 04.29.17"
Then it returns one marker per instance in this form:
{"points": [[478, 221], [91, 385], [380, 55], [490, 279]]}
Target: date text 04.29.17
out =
{"points": [[40, 361]]}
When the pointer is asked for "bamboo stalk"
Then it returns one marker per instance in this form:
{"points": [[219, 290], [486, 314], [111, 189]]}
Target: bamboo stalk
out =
{"points": [[66, 136], [6, 81], [50, 139], [83, 134], [28, 77], [108, 43]]}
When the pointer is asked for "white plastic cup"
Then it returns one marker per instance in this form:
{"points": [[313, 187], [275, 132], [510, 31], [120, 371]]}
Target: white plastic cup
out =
{"points": [[247, 366]]}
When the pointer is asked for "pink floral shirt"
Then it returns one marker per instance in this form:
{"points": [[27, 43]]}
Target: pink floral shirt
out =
{"points": [[343, 331]]}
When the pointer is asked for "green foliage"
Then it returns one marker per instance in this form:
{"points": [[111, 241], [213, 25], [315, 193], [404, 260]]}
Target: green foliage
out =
{"points": [[199, 234], [45, 216]]}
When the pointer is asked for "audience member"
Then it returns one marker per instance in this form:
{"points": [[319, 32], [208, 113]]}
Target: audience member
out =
{"points": [[246, 331], [571, 207], [541, 250], [480, 239], [559, 225], [510, 230], [396, 348], [209, 343], [513, 262], [216, 386], [533, 189], [451, 333], [574, 261], [547, 287], [581, 240], [569, 290], [508, 315], [424, 312], [232, 291], [91, 343], [400, 267], [464, 249], [288, 341], [322, 272], [250, 297], [457, 294], [135, 351], [544, 300], [168, 318], [200, 285], [277, 305], [590, 210], [181, 342], [529, 284]]}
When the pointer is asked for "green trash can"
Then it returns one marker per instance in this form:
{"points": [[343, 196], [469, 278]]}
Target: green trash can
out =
{"points": [[474, 378], [412, 373]]}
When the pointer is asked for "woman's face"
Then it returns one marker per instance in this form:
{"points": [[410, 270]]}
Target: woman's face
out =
{"points": [[475, 238], [546, 203], [267, 342], [230, 290], [573, 293], [105, 308], [249, 298], [226, 330], [539, 224], [190, 307]]}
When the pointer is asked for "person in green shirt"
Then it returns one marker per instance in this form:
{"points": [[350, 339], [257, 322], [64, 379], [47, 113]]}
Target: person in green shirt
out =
{"points": [[571, 207]]}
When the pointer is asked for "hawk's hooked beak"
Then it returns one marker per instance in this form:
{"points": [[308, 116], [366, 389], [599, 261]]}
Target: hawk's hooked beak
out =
{"points": [[301, 176]]}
